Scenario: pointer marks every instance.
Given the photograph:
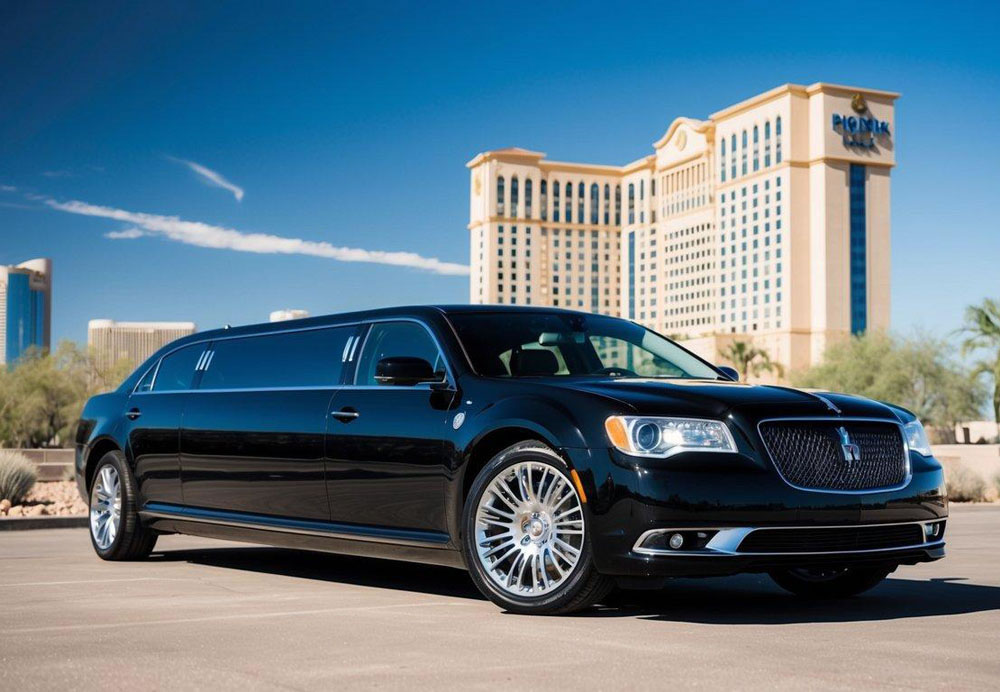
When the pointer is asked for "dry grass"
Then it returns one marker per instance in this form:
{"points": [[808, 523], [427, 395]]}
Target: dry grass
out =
{"points": [[17, 476], [964, 485]]}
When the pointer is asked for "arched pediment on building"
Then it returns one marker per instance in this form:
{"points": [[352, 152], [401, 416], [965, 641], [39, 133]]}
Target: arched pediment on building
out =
{"points": [[684, 139]]}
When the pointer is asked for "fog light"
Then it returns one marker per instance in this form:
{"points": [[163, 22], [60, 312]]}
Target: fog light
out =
{"points": [[676, 541], [932, 530]]}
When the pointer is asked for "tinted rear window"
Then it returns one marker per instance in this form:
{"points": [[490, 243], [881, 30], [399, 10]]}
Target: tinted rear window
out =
{"points": [[177, 369], [294, 359]]}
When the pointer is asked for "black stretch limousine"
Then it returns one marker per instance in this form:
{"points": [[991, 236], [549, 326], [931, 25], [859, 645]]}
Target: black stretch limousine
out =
{"points": [[551, 453]]}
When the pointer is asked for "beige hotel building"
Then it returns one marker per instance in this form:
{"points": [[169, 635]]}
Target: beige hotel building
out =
{"points": [[134, 342], [767, 222]]}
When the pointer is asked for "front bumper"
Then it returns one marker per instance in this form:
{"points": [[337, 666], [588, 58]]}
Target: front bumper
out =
{"points": [[730, 497]]}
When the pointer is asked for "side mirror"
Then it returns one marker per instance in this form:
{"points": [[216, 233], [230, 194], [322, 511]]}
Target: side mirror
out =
{"points": [[731, 373], [404, 371]]}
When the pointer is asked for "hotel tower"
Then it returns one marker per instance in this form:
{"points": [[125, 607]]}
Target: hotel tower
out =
{"points": [[767, 222]]}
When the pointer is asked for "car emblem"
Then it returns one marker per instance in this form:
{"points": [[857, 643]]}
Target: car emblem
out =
{"points": [[459, 419], [852, 453]]}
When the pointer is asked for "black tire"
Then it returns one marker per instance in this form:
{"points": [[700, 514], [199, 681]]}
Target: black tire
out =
{"points": [[830, 583], [582, 588], [132, 541]]}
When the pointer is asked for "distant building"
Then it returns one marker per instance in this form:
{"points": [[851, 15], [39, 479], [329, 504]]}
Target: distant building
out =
{"points": [[768, 222], [113, 341], [283, 315], [25, 308]]}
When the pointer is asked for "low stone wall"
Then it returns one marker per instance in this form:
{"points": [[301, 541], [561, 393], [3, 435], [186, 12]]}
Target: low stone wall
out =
{"points": [[981, 459], [53, 464]]}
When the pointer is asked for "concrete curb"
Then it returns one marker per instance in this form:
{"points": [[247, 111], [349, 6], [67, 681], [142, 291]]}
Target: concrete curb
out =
{"points": [[28, 523]]}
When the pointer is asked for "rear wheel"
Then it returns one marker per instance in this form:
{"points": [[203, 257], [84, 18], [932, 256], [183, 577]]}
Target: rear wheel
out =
{"points": [[525, 535], [115, 530], [829, 582]]}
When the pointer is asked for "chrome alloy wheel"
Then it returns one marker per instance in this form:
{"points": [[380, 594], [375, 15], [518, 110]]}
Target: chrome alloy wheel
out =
{"points": [[106, 507], [529, 529]]}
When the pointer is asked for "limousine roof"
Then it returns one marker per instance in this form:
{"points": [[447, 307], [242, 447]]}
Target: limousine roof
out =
{"points": [[418, 311]]}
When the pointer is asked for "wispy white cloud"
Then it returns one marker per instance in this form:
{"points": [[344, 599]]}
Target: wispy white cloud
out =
{"points": [[210, 177], [61, 173], [125, 234], [210, 236], [8, 188]]}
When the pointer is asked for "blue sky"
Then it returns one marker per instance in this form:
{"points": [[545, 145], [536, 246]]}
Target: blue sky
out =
{"points": [[350, 125]]}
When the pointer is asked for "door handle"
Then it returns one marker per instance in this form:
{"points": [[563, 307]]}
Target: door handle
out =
{"points": [[133, 414], [345, 415]]}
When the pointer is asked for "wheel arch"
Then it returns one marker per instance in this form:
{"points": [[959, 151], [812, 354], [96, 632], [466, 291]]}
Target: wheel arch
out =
{"points": [[98, 449]]}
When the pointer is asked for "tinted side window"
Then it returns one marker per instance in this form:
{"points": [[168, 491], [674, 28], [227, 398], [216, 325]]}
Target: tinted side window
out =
{"points": [[177, 369], [294, 359], [146, 383], [388, 339]]}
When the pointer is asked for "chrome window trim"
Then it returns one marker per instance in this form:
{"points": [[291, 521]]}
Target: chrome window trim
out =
{"points": [[347, 347], [449, 374], [728, 539], [841, 419], [449, 378], [154, 368]]}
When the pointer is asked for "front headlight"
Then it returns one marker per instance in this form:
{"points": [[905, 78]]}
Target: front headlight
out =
{"points": [[646, 436], [916, 438]]}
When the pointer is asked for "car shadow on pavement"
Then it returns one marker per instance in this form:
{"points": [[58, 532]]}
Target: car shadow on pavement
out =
{"points": [[753, 599], [749, 599], [343, 569]]}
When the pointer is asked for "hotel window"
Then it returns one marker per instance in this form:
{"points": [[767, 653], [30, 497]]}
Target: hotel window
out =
{"points": [[618, 205], [756, 148], [777, 140], [732, 157], [544, 192], [767, 144], [555, 201], [858, 243], [500, 195], [631, 202], [580, 195], [743, 154], [607, 204], [528, 184], [595, 204], [513, 196], [722, 162], [568, 203]]}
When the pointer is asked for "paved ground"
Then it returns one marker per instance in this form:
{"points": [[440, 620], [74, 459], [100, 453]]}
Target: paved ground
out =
{"points": [[204, 614]]}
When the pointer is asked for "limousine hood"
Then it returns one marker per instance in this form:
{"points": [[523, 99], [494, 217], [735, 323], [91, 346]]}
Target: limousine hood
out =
{"points": [[717, 397]]}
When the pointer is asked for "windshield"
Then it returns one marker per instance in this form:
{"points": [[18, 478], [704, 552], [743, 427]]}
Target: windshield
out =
{"points": [[538, 344]]}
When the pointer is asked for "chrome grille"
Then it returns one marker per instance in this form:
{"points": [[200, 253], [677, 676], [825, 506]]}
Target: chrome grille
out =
{"points": [[811, 454]]}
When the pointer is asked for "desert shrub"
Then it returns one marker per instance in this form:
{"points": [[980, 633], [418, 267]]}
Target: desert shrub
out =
{"points": [[17, 475], [996, 484], [964, 485]]}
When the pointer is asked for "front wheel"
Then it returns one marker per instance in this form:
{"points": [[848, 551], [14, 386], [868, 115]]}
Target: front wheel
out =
{"points": [[524, 532], [829, 582], [115, 530]]}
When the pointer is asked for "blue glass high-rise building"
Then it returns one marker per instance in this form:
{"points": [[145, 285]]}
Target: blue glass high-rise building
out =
{"points": [[25, 308]]}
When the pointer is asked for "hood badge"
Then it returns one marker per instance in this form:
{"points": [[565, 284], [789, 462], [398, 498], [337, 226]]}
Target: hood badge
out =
{"points": [[852, 453], [829, 404], [459, 419]]}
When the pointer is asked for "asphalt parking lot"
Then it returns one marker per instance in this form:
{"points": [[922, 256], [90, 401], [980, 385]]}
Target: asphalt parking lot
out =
{"points": [[203, 614]]}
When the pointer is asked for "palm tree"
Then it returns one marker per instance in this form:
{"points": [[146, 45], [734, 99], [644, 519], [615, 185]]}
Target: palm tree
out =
{"points": [[747, 358], [982, 327]]}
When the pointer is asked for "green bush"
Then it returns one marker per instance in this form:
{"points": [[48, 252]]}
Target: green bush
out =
{"points": [[17, 476], [963, 484]]}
